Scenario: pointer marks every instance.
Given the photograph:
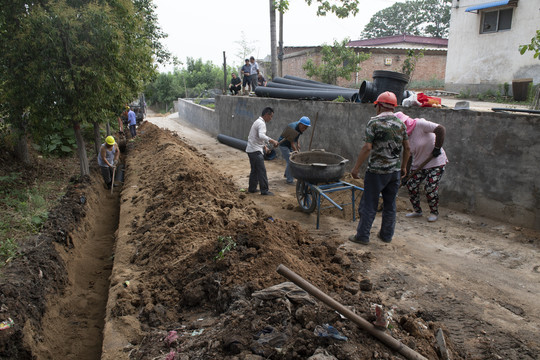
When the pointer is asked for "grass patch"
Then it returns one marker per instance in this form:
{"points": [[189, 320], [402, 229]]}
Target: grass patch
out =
{"points": [[8, 251], [23, 208], [426, 84]]}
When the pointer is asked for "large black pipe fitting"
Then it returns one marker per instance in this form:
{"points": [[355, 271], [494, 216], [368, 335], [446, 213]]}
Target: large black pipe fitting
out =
{"points": [[384, 81]]}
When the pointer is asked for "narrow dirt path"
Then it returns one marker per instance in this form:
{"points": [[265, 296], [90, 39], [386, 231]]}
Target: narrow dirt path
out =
{"points": [[479, 277], [73, 324]]}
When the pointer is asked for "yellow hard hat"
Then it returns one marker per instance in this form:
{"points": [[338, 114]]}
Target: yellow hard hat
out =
{"points": [[110, 140]]}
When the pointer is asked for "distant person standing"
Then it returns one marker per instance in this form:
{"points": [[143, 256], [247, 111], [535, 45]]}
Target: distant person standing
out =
{"points": [[246, 71], [253, 73], [107, 160], [428, 163], [132, 120], [256, 144]]}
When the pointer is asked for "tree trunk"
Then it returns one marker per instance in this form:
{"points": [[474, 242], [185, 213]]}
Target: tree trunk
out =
{"points": [[81, 150], [21, 146], [280, 54], [273, 46], [97, 137]]}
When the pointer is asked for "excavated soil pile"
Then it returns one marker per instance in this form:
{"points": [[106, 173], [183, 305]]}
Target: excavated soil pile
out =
{"points": [[194, 262]]}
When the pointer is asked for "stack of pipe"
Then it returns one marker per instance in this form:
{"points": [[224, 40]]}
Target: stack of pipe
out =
{"points": [[293, 87]]}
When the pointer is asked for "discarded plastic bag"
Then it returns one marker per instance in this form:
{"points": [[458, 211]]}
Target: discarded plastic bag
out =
{"points": [[6, 324], [287, 290], [411, 101], [428, 101], [329, 331]]}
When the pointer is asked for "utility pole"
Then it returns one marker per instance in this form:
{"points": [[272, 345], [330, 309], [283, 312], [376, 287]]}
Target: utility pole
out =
{"points": [[280, 54], [224, 74]]}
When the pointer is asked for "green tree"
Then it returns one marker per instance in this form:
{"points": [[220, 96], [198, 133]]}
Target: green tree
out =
{"points": [[74, 62], [245, 48], [533, 46], [341, 8], [415, 17], [337, 61]]}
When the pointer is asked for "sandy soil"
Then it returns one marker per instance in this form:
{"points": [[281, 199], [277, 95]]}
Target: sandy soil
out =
{"points": [[479, 278]]}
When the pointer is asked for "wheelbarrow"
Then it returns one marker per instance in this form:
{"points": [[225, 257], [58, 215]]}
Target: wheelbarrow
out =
{"points": [[315, 167]]}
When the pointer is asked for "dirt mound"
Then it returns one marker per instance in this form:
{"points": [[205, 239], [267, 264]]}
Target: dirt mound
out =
{"points": [[197, 249]]}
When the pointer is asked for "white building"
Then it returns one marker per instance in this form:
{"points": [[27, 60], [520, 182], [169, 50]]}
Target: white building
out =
{"points": [[483, 45]]}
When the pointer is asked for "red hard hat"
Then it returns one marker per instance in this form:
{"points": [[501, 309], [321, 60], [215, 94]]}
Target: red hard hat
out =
{"points": [[388, 98]]}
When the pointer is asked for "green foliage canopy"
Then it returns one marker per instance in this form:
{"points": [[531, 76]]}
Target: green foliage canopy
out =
{"points": [[414, 17], [337, 61], [71, 62]]}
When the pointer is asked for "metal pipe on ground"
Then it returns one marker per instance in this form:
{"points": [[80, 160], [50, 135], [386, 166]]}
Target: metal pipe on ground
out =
{"points": [[386, 339]]}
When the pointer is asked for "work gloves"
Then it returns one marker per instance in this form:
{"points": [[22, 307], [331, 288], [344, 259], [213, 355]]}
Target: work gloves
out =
{"points": [[436, 152]]}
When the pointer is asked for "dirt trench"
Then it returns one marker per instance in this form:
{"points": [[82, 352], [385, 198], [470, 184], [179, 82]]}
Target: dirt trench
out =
{"points": [[72, 327]]}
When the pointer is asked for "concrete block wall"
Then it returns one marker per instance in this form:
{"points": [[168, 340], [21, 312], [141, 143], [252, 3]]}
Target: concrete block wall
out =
{"points": [[197, 115], [493, 169]]}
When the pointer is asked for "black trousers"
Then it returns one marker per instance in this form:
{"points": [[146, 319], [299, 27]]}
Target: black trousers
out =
{"points": [[257, 175], [235, 89], [106, 172]]}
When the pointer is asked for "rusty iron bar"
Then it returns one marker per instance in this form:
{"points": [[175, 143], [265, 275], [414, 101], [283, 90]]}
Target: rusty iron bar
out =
{"points": [[386, 339]]}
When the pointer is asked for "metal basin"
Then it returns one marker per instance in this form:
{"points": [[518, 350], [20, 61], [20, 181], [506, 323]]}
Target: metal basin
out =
{"points": [[317, 166]]}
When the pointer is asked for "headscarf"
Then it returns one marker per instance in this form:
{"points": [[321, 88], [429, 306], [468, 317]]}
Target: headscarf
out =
{"points": [[410, 123]]}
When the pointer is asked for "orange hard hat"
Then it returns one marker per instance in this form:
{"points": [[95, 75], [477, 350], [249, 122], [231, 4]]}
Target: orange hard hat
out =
{"points": [[388, 98]]}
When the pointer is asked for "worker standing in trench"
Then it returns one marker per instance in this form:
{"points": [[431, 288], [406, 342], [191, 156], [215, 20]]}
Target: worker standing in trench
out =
{"points": [[385, 138], [427, 163], [107, 160], [287, 147]]}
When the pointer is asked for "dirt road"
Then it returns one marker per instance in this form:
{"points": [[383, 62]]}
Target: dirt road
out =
{"points": [[479, 277]]}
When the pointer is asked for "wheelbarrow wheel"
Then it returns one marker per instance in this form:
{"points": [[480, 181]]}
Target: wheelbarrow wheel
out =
{"points": [[305, 196]]}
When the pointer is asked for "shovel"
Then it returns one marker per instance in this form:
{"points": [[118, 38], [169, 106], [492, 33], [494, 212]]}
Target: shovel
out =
{"points": [[288, 134], [112, 179], [405, 179]]}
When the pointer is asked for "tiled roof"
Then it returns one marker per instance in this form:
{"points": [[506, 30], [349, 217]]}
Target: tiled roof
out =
{"points": [[386, 40]]}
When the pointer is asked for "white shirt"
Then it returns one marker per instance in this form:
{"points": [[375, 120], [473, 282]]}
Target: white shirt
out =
{"points": [[257, 136], [254, 68]]}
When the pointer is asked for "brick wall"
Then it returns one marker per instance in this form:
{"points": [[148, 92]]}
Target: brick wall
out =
{"points": [[431, 66]]}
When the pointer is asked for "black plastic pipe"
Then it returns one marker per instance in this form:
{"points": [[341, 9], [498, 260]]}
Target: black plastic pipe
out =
{"points": [[233, 142], [306, 94], [306, 84]]}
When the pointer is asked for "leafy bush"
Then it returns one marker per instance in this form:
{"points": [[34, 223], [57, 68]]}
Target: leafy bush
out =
{"points": [[56, 140]]}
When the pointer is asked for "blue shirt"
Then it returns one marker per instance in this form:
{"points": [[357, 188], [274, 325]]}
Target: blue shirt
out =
{"points": [[295, 126], [132, 118]]}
